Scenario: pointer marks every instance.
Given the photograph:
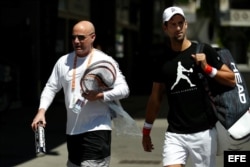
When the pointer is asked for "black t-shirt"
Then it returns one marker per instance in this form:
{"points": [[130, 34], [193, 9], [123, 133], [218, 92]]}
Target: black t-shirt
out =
{"points": [[190, 110]]}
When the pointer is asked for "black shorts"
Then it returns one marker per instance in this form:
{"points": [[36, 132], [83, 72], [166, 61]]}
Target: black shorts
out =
{"points": [[89, 146]]}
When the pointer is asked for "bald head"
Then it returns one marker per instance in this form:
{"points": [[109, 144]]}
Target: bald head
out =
{"points": [[83, 36], [85, 27]]}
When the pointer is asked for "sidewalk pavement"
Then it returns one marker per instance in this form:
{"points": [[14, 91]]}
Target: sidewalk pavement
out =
{"points": [[17, 147], [127, 151]]}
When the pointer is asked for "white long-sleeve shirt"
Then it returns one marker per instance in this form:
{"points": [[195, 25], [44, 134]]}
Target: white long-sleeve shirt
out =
{"points": [[94, 115]]}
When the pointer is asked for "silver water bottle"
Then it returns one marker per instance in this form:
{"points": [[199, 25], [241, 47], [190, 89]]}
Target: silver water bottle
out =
{"points": [[40, 140]]}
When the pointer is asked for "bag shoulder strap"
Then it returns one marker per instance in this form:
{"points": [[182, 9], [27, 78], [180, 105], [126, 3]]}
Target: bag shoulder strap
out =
{"points": [[199, 47]]}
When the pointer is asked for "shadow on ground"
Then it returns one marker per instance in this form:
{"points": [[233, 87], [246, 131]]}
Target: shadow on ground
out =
{"points": [[17, 139], [17, 143]]}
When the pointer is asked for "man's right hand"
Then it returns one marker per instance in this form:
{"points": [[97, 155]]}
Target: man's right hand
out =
{"points": [[147, 143], [39, 118]]}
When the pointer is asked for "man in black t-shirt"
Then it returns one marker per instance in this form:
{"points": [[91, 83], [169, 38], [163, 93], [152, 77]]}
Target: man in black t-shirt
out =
{"points": [[191, 119]]}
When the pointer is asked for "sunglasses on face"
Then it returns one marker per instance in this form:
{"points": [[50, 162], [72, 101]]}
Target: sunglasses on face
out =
{"points": [[80, 37]]}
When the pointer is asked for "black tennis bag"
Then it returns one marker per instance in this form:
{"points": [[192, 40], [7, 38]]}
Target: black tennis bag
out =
{"points": [[232, 105]]}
